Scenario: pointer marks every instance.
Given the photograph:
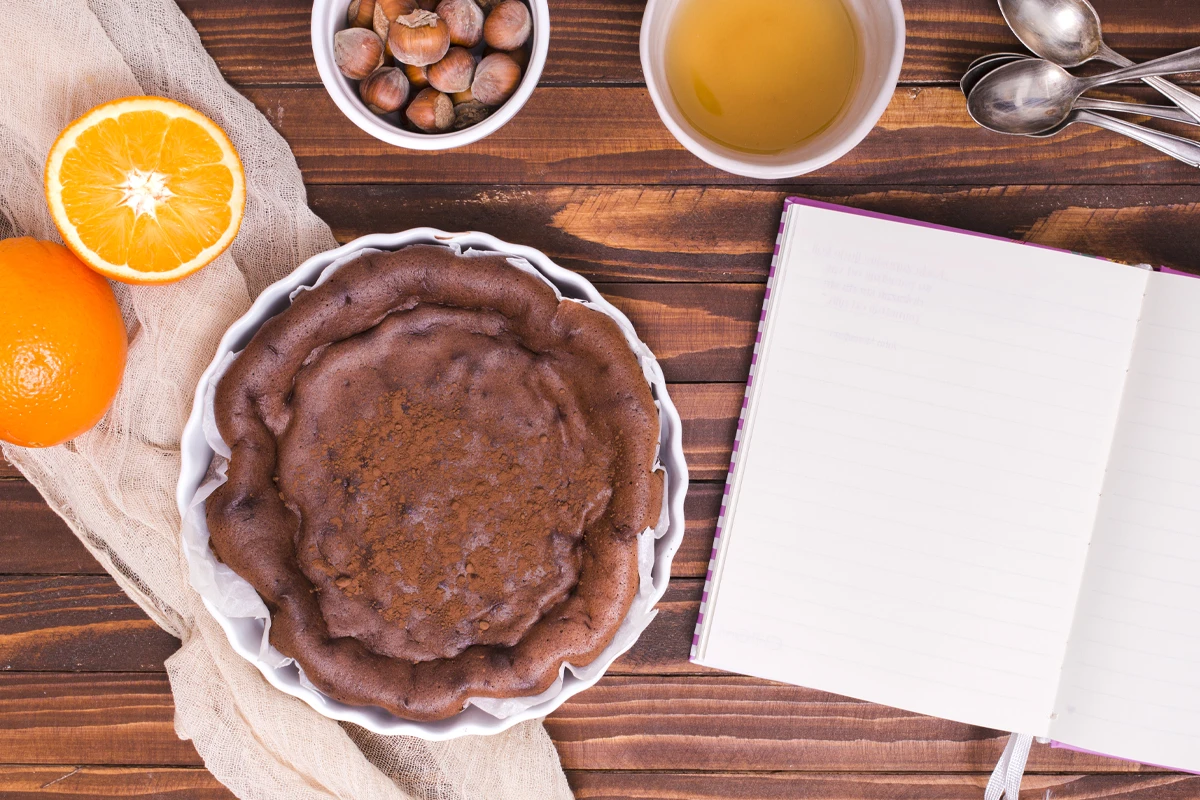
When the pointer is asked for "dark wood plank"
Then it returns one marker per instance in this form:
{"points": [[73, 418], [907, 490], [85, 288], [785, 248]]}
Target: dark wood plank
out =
{"points": [[84, 622], [606, 233], [702, 506], [76, 622], [87, 624], [664, 647], [593, 41], [266, 41], [946, 35], [726, 234], [92, 783], [741, 724], [589, 785], [269, 41], [66, 718], [613, 135], [35, 540], [710, 413], [8, 471], [684, 723], [632, 232], [698, 331]]}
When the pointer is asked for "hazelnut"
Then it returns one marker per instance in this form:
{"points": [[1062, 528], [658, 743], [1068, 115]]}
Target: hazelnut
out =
{"points": [[508, 26], [496, 78], [469, 113], [384, 90], [419, 38], [358, 52], [465, 20], [431, 111], [520, 55], [418, 77], [454, 72], [462, 97], [360, 13], [386, 12]]}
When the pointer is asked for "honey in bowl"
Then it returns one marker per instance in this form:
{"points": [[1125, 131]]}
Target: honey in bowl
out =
{"points": [[762, 76]]}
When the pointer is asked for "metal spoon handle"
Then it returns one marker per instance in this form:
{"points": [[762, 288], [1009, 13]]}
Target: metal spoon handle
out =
{"points": [[1180, 97], [1187, 61], [1185, 150], [1156, 112]]}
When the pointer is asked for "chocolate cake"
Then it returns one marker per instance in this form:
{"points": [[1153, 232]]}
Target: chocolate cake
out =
{"points": [[439, 472]]}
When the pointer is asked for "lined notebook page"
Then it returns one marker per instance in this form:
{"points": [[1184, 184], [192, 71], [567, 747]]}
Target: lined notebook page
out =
{"points": [[918, 478], [1131, 683]]}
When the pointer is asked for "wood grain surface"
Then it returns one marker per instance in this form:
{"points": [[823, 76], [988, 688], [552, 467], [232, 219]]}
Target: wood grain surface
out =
{"points": [[587, 173], [52, 550], [631, 233], [860, 786], [625, 722], [77, 783], [612, 135], [176, 783], [596, 41]]}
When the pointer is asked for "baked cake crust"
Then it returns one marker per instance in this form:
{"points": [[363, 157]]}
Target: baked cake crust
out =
{"points": [[438, 475]]}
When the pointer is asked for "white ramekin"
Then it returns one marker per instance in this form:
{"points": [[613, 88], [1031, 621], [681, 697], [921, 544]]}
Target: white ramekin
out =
{"points": [[329, 17], [246, 633], [881, 33]]}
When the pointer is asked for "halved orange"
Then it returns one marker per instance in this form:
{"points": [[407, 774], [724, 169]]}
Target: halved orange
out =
{"points": [[145, 189]]}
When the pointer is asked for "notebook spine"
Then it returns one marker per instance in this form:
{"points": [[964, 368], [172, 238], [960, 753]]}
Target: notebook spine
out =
{"points": [[737, 439]]}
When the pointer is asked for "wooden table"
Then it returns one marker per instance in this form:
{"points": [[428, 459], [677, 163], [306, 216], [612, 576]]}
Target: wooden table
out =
{"points": [[588, 174]]}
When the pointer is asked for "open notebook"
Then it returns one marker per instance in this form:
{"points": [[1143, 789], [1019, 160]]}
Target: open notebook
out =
{"points": [[967, 484]]}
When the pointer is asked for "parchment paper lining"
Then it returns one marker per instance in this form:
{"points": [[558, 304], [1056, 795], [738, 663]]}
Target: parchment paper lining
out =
{"points": [[233, 596]]}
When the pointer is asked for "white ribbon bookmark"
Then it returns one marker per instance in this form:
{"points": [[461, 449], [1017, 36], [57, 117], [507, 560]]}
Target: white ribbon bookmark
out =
{"points": [[1006, 777]]}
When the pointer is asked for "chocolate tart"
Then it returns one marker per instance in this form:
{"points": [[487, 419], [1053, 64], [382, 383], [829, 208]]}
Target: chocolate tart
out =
{"points": [[439, 473]]}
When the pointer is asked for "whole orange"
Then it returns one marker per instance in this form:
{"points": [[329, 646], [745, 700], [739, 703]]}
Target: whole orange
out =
{"points": [[62, 344]]}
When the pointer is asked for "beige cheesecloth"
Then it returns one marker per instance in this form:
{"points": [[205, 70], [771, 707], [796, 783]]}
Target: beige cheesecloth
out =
{"points": [[115, 485]]}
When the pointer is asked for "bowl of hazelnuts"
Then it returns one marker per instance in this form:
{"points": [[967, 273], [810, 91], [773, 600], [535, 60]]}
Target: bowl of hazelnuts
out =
{"points": [[430, 74]]}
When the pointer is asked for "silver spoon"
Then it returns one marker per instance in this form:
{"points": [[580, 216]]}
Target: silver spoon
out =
{"points": [[996, 57], [1067, 32], [1185, 150], [981, 66], [1034, 95], [1177, 147], [988, 59]]}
